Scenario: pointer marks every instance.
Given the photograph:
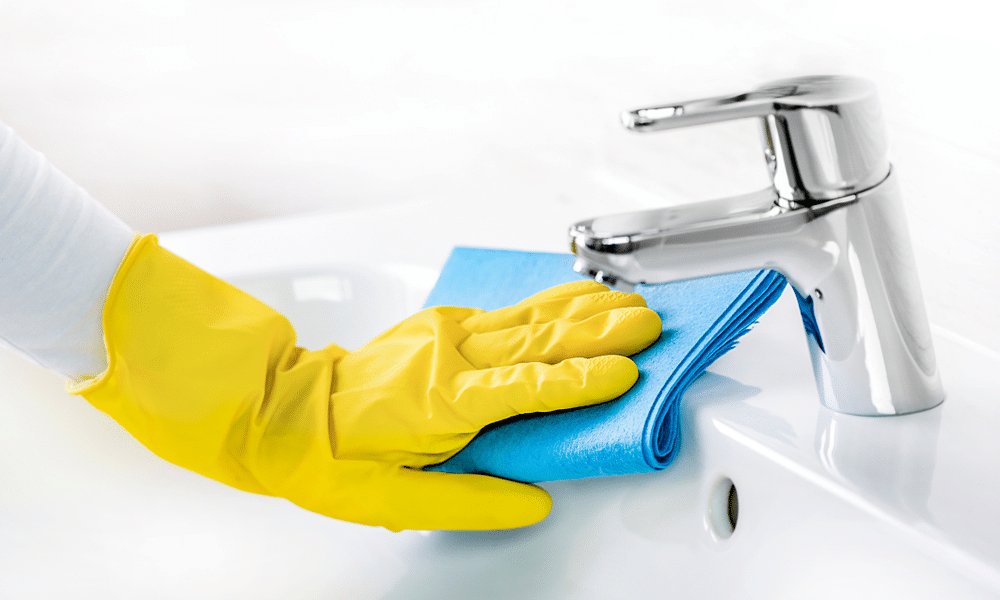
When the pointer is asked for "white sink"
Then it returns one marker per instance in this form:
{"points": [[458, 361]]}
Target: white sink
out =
{"points": [[829, 506], [345, 303]]}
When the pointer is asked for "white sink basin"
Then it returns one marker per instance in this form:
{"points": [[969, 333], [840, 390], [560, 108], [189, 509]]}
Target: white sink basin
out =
{"points": [[344, 303], [829, 506]]}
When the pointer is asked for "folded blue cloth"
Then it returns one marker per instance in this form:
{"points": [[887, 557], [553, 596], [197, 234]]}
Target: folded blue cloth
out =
{"points": [[638, 432]]}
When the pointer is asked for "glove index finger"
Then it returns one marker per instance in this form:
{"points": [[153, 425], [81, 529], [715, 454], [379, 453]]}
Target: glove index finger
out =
{"points": [[567, 290], [489, 395], [546, 310], [624, 331]]}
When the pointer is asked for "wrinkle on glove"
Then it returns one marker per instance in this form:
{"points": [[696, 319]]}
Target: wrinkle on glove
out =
{"points": [[640, 431]]}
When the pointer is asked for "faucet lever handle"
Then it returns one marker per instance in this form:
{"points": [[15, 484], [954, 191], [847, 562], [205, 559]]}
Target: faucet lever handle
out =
{"points": [[823, 136], [699, 112]]}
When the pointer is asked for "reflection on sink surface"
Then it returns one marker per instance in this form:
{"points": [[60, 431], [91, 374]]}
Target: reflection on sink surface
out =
{"points": [[343, 304], [829, 505]]}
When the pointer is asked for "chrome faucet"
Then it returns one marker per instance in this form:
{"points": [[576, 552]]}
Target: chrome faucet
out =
{"points": [[832, 223]]}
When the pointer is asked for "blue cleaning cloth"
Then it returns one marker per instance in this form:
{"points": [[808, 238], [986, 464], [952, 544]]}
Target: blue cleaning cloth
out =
{"points": [[636, 433]]}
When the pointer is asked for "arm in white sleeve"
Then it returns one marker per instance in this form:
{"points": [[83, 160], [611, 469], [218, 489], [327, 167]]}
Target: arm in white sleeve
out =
{"points": [[59, 251]]}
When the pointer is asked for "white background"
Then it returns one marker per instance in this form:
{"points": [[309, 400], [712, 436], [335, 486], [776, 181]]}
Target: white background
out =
{"points": [[179, 114]]}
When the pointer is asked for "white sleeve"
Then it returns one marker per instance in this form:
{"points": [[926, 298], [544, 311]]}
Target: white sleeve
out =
{"points": [[59, 251]]}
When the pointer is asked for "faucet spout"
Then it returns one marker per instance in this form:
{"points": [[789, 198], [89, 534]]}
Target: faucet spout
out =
{"points": [[752, 231], [847, 257]]}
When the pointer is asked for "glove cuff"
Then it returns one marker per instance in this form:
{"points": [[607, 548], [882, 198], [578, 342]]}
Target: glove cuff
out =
{"points": [[88, 383], [206, 376]]}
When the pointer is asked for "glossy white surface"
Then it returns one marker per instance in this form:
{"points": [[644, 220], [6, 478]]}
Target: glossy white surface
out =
{"points": [[86, 512]]}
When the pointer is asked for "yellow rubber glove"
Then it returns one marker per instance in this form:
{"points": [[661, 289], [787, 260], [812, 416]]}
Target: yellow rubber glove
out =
{"points": [[210, 379]]}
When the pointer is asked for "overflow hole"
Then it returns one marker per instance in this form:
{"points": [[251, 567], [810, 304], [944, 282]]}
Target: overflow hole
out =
{"points": [[734, 507], [724, 509]]}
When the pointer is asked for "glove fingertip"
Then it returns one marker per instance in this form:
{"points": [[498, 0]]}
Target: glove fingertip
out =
{"points": [[492, 503], [646, 328], [430, 500], [619, 372], [524, 505]]}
